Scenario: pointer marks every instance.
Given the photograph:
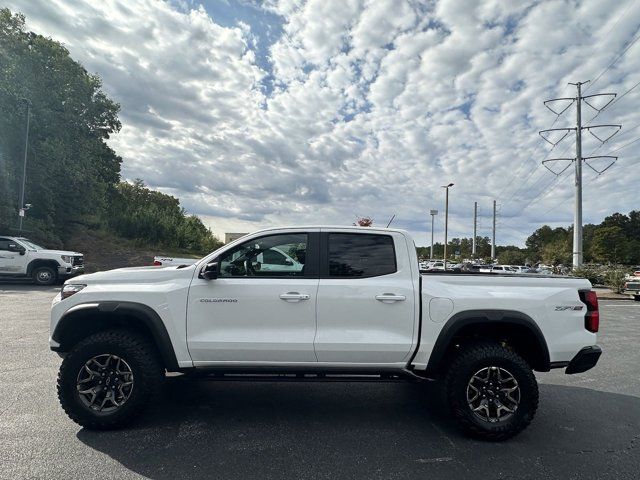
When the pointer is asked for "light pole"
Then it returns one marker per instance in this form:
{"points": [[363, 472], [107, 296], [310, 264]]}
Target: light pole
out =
{"points": [[433, 214], [446, 221], [21, 209]]}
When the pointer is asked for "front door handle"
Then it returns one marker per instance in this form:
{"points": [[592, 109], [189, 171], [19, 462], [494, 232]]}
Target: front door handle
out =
{"points": [[390, 298], [294, 297]]}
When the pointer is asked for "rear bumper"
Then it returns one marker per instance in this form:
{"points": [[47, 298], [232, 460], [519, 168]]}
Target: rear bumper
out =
{"points": [[584, 360]]}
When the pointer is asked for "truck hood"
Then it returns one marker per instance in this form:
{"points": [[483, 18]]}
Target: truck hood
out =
{"points": [[134, 275], [56, 252]]}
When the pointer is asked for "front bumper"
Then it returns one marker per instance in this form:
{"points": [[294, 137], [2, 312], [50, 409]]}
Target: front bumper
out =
{"points": [[584, 360], [70, 271]]}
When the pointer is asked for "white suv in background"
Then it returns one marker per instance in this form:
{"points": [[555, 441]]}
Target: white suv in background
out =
{"points": [[21, 258], [502, 269]]}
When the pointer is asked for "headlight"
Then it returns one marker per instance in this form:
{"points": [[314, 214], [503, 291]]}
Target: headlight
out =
{"points": [[70, 289], [66, 258]]}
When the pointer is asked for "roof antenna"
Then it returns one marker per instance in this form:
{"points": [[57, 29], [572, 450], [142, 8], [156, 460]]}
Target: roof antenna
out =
{"points": [[394, 216]]}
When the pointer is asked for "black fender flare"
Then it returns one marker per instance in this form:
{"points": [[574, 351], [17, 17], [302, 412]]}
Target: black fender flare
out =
{"points": [[120, 311], [470, 317]]}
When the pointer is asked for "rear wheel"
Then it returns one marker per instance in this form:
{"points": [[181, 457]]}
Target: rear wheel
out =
{"points": [[491, 391], [108, 379], [44, 275]]}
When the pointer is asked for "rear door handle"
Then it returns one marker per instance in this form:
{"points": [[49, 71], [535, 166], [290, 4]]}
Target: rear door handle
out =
{"points": [[390, 298], [294, 297]]}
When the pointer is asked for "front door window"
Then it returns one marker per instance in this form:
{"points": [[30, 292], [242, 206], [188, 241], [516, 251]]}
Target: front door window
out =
{"points": [[270, 256]]}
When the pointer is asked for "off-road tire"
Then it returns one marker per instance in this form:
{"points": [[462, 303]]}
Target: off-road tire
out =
{"points": [[44, 275], [465, 364], [139, 353]]}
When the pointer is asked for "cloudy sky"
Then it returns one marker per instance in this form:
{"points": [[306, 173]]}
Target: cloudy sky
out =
{"points": [[282, 112]]}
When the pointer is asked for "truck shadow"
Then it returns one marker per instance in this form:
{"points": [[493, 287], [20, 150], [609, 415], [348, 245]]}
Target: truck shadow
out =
{"points": [[211, 429], [23, 287]]}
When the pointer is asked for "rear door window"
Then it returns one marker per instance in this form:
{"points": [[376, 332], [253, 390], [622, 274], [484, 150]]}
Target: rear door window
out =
{"points": [[353, 255]]}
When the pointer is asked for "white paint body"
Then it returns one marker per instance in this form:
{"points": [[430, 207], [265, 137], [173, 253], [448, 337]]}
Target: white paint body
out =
{"points": [[339, 323], [16, 264]]}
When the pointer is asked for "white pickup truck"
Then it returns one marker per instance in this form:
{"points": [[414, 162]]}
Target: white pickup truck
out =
{"points": [[21, 258], [357, 307]]}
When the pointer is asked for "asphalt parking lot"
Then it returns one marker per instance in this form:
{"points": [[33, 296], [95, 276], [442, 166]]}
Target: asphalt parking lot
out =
{"points": [[587, 426]]}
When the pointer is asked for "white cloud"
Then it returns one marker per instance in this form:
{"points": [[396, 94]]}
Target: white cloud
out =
{"points": [[374, 105]]}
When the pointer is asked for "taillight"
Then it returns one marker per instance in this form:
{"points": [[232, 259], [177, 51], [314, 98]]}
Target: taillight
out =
{"points": [[156, 263], [592, 317]]}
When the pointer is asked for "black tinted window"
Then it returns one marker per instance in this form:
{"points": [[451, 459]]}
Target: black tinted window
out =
{"points": [[4, 243], [360, 255]]}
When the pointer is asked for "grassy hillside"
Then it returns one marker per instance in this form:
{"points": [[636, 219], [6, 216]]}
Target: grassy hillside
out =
{"points": [[105, 251]]}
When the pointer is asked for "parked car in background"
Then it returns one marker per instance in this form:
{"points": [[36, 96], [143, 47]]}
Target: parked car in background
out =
{"points": [[476, 267], [520, 268], [543, 271], [21, 258], [502, 269], [632, 287], [439, 265]]}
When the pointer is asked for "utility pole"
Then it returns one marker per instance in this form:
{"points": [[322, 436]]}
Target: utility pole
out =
{"points": [[577, 214], [433, 213], [578, 159], [493, 236], [446, 221], [21, 209], [475, 229]]}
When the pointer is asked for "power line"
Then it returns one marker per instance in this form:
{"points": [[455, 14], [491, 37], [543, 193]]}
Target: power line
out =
{"points": [[522, 184], [615, 102], [614, 61], [625, 145], [562, 175], [622, 96], [542, 194], [524, 162], [545, 190], [620, 18]]}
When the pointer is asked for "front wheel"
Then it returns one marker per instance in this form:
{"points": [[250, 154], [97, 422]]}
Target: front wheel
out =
{"points": [[491, 391], [108, 378], [44, 275]]}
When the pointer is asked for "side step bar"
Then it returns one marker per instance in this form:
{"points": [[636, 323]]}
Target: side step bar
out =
{"points": [[396, 377]]}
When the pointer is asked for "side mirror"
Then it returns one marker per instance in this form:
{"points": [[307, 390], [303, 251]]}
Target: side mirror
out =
{"points": [[210, 271], [288, 262], [16, 248]]}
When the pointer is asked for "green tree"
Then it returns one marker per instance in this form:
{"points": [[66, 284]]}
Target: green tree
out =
{"points": [[70, 168], [557, 252], [143, 214], [609, 244], [541, 240], [512, 257]]}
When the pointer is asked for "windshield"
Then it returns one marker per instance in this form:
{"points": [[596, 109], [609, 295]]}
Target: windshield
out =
{"points": [[30, 244]]}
